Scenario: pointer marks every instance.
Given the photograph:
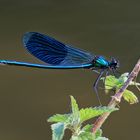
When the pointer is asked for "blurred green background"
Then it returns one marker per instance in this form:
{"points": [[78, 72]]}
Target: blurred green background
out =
{"points": [[29, 96]]}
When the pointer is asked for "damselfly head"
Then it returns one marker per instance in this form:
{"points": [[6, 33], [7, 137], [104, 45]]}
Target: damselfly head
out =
{"points": [[114, 63]]}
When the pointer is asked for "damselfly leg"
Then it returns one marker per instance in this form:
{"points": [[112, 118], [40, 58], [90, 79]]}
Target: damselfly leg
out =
{"points": [[95, 85]]}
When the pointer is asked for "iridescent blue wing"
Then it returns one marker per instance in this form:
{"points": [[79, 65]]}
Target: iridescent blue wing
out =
{"points": [[54, 52]]}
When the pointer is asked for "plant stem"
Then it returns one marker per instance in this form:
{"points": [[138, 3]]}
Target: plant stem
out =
{"points": [[117, 97]]}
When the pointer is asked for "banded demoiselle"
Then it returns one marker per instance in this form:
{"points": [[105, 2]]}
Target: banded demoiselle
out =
{"points": [[58, 55]]}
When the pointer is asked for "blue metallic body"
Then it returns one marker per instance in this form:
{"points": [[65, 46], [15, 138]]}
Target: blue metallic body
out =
{"points": [[58, 55]]}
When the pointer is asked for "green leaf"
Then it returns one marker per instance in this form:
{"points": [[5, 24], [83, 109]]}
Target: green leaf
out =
{"points": [[98, 133], [111, 82], [59, 118], [88, 113], [74, 105], [130, 97], [102, 138], [134, 83], [84, 136], [87, 128], [58, 131], [75, 111]]}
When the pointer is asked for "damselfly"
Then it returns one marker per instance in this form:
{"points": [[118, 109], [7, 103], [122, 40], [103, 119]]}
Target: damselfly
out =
{"points": [[58, 55]]}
